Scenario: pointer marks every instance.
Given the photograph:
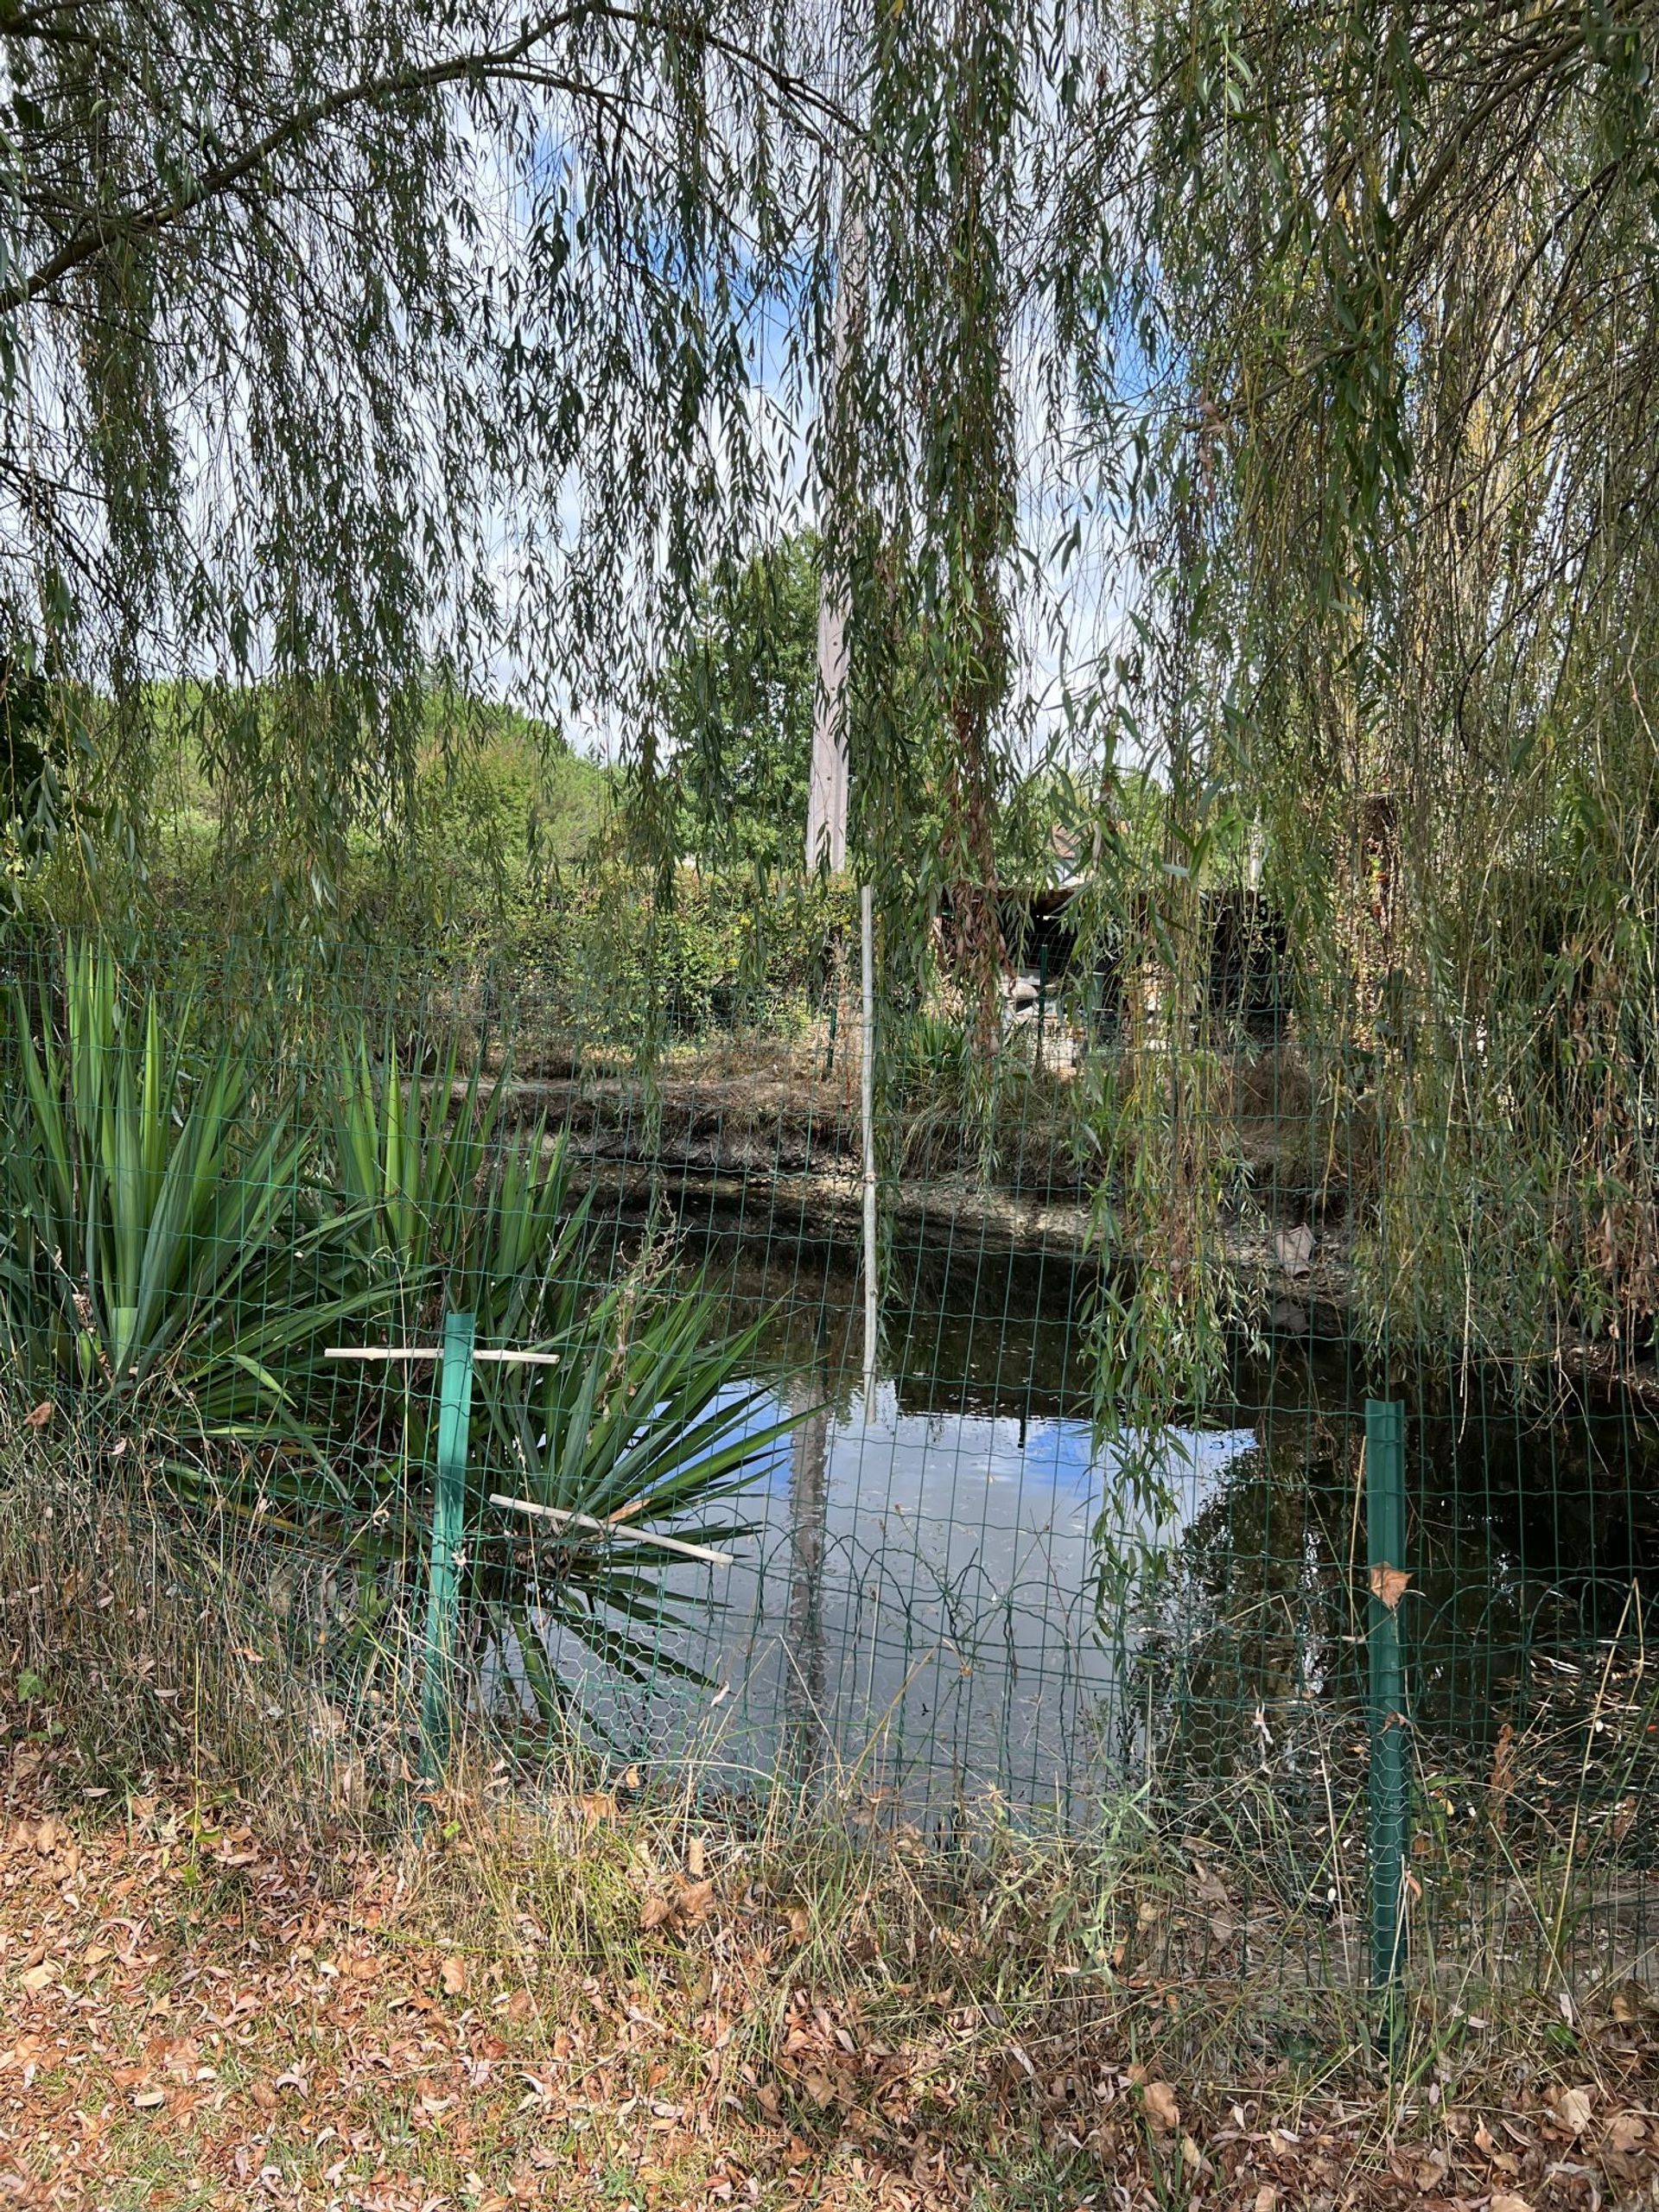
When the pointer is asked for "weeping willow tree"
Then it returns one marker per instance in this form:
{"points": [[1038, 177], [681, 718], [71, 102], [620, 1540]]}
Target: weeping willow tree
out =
{"points": [[349, 357], [953, 109], [351, 354], [1372, 339], [354, 358], [921, 460]]}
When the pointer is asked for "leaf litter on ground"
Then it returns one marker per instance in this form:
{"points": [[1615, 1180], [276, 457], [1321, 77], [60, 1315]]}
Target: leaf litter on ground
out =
{"points": [[189, 2016]]}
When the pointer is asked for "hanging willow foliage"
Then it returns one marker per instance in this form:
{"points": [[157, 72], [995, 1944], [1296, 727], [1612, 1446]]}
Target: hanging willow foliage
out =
{"points": [[348, 350], [1373, 345], [348, 354]]}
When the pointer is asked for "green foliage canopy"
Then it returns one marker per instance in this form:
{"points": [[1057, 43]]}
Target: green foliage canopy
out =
{"points": [[737, 705]]}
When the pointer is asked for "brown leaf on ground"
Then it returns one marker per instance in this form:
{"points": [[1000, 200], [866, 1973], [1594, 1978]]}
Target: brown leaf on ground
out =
{"points": [[1162, 2110], [40, 1415], [311, 2007], [1575, 2109]]}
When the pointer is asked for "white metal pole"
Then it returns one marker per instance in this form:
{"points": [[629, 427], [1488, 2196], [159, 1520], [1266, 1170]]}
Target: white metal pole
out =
{"points": [[867, 1085]]}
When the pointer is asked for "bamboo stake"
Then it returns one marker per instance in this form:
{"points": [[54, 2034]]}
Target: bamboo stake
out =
{"points": [[613, 1529], [435, 1351], [872, 1320]]}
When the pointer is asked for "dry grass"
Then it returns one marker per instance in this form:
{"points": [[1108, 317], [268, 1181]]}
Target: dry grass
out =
{"points": [[141, 1639], [594, 2003]]}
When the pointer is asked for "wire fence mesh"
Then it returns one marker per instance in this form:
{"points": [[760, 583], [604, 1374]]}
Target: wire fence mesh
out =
{"points": [[967, 1592]]}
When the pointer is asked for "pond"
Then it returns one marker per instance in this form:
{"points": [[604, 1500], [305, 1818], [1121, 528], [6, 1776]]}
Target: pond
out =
{"points": [[950, 1592]]}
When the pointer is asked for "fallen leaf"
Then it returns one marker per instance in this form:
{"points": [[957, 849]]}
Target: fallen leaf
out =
{"points": [[696, 1858], [819, 2087], [1626, 2131], [148, 2100], [800, 1923], [656, 1912], [1502, 2201], [40, 1976], [696, 1900], [1575, 2109], [263, 2095], [519, 2004], [40, 1416], [1389, 1584], [1266, 2197], [452, 1975], [1162, 2107]]}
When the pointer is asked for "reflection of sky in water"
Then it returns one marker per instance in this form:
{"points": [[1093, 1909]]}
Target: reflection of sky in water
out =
{"points": [[917, 1605]]}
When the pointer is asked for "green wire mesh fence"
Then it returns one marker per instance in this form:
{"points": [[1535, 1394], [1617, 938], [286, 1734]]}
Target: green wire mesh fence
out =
{"points": [[961, 1595]]}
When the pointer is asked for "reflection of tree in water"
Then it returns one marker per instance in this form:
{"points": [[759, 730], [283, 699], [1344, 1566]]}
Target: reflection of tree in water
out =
{"points": [[1527, 1537], [1242, 1643], [805, 1728]]}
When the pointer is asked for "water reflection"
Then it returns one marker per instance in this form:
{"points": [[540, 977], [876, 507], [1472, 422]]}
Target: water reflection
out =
{"points": [[804, 1717], [920, 1605], [916, 1607]]}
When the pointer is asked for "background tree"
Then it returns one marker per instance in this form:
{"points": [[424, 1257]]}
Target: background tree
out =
{"points": [[737, 709]]}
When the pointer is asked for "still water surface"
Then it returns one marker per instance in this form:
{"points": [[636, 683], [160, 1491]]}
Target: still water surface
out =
{"points": [[922, 1606]]}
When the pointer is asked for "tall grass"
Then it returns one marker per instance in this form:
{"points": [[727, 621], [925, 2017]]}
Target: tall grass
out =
{"points": [[143, 1643]]}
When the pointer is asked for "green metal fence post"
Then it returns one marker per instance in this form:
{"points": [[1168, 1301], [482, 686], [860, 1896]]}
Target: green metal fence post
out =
{"points": [[1385, 1515], [449, 1532]]}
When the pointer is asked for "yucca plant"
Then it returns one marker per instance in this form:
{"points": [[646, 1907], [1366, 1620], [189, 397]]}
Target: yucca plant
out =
{"points": [[650, 1425], [162, 1249], [452, 1210], [179, 1250], [637, 1413]]}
